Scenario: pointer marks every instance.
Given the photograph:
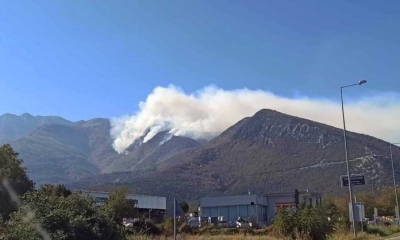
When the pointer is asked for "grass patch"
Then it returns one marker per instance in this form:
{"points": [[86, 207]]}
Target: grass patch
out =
{"points": [[200, 237], [372, 233], [383, 231]]}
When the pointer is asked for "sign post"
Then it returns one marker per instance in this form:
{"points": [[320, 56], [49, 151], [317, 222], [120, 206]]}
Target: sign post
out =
{"points": [[359, 212], [375, 216], [355, 180]]}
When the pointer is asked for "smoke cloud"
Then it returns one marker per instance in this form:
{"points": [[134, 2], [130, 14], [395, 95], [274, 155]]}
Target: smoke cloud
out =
{"points": [[209, 111]]}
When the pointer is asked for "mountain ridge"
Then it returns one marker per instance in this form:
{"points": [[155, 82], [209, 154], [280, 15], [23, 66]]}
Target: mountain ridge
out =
{"points": [[13, 126], [268, 152], [58, 151]]}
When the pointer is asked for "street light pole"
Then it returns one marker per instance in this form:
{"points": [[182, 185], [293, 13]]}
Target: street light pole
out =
{"points": [[347, 158], [394, 182]]}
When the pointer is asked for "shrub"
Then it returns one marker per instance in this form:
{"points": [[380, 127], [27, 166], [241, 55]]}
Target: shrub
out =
{"points": [[168, 226], [144, 227], [71, 217], [186, 228], [305, 223]]}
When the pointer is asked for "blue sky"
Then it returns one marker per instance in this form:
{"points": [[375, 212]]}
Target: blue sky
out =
{"points": [[86, 59]]}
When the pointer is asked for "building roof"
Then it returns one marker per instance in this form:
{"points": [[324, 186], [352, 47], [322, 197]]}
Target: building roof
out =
{"points": [[105, 192], [142, 201]]}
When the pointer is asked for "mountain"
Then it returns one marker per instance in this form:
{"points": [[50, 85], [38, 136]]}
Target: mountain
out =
{"points": [[56, 153], [268, 152], [59, 151], [13, 127], [147, 156]]}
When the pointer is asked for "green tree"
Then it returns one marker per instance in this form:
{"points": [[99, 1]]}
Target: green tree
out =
{"points": [[12, 176], [49, 212], [386, 202], [118, 207], [184, 206], [55, 190]]}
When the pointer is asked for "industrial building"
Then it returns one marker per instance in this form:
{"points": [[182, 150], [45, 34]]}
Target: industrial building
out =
{"points": [[260, 210], [147, 206]]}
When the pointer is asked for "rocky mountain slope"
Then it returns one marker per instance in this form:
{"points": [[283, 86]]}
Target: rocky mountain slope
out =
{"points": [[268, 152]]}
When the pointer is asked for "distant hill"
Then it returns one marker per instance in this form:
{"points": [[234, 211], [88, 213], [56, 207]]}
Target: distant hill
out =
{"points": [[13, 127], [57, 151], [268, 152]]}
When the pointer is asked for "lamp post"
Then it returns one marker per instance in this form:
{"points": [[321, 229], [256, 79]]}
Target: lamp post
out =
{"points": [[347, 156], [394, 182]]}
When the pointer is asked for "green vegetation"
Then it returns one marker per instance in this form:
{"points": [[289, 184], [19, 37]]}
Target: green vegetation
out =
{"points": [[12, 177], [184, 206], [59, 214], [304, 223], [118, 207], [54, 212], [384, 200]]}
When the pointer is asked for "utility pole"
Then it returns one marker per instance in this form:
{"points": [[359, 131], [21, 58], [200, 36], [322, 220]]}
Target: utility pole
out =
{"points": [[174, 219], [394, 183]]}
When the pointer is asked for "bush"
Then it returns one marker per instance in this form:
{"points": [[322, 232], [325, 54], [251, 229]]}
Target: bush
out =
{"points": [[144, 227], [186, 228], [70, 217], [303, 223], [168, 226]]}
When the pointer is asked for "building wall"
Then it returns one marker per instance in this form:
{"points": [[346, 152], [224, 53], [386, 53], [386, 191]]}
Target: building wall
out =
{"points": [[232, 207], [149, 202], [232, 200], [259, 208], [140, 201], [232, 213]]}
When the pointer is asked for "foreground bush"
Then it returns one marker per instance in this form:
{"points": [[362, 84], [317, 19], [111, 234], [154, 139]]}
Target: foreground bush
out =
{"points": [[58, 214], [11, 170], [304, 223]]}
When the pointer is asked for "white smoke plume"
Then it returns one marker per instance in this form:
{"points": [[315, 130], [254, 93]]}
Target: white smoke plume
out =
{"points": [[209, 111]]}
